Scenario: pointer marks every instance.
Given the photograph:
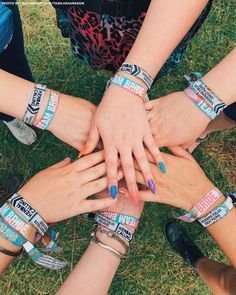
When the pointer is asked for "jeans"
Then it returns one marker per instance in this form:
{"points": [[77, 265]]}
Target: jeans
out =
{"points": [[13, 59]]}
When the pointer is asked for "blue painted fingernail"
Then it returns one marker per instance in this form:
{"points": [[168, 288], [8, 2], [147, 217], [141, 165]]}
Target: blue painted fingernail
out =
{"points": [[151, 185], [113, 191], [162, 167]]}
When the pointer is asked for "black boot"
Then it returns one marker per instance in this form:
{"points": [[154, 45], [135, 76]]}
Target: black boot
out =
{"points": [[8, 187], [181, 243]]}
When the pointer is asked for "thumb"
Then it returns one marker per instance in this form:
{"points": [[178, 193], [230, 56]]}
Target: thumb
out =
{"points": [[149, 104], [179, 151], [98, 204], [61, 164], [91, 143]]}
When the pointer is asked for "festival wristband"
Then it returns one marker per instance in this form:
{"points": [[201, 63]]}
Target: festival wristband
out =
{"points": [[17, 223], [129, 85], [136, 71], [34, 104], [202, 206], [200, 88], [200, 103], [38, 257], [121, 218], [217, 213], [50, 111], [122, 231], [31, 215]]}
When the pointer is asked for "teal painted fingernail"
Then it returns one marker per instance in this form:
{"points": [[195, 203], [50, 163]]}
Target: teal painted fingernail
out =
{"points": [[113, 191], [162, 167]]}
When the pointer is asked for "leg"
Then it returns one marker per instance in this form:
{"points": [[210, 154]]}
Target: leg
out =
{"points": [[220, 278]]}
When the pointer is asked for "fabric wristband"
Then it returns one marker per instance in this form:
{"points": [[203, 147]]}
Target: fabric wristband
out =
{"points": [[121, 218], [129, 85], [118, 228], [136, 71], [31, 215], [201, 207], [34, 104], [50, 111], [200, 88], [200, 103], [37, 256], [217, 213]]}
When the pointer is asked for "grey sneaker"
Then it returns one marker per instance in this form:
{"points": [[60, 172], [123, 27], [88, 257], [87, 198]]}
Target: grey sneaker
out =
{"points": [[21, 131]]}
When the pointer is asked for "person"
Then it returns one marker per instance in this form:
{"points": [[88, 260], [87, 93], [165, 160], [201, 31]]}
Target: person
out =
{"points": [[109, 34], [185, 187]]}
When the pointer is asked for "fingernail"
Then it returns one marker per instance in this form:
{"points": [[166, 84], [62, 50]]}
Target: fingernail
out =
{"points": [[135, 196], [151, 185], [122, 191], [162, 167], [113, 191], [83, 151]]}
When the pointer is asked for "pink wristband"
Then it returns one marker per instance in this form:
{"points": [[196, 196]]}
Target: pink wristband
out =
{"points": [[121, 218]]}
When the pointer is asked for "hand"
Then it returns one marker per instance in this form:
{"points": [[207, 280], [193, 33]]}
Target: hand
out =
{"points": [[175, 120], [72, 121], [124, 204], [122, 123], [61, 191], [184, 184]]}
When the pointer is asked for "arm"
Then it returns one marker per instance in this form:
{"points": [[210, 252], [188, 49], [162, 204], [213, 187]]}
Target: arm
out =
{"points": [[73, 114], [85, 177], [97, 265], [185, 185], [165, 25], [164, 111]]}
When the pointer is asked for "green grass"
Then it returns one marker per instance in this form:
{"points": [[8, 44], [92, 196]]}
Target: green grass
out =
{"points": [[151, 268]]}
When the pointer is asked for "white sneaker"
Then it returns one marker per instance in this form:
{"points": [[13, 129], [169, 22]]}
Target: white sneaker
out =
{"points": [[21, 131]]}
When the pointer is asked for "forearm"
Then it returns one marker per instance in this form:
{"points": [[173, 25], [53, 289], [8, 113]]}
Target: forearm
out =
{"points": [[224, 233], [165, 25], [93, 274], [5, 260], [221, 79]]}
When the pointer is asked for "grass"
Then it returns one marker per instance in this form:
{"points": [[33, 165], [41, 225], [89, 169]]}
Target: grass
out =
{"points": [[152, 268]]}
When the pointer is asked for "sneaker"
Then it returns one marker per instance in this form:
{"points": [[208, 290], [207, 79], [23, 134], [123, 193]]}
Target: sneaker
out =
{"points": [[8, 187], [181, 243], [21, 131]]}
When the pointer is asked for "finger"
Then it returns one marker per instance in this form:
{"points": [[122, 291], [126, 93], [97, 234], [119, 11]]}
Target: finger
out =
{"points": [[140, 155], [91, 143], [93, 173], [149, 104], [111, 159], [179, 151], [140, 178], [99, 185], [89, 161], [129, 172], [147, 196], [61, 164], [95, 205], [153, 148]]}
